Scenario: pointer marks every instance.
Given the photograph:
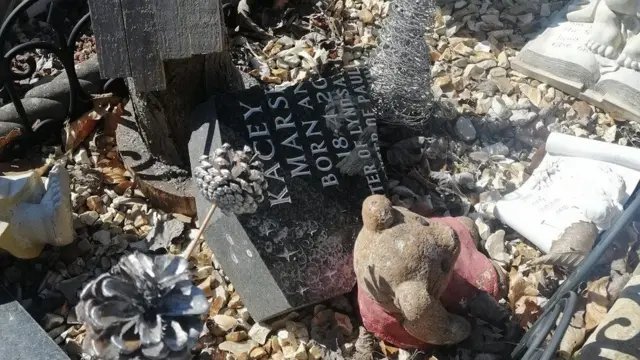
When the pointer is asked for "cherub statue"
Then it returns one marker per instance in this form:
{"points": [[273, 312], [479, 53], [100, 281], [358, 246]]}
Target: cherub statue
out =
{"points": [[615, 31]]}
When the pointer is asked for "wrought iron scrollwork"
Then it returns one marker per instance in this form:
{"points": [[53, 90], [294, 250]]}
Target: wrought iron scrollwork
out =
{"points": [[63, 46]]}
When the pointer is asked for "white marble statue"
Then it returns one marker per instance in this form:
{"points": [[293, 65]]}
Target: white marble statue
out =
{"points": [[32, 216], [616, 26]]}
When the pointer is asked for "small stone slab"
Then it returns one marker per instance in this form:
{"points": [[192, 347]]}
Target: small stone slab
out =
{"points": [[20, 335], [560, 58], [318, 144], [59, 90], [36, 109]]}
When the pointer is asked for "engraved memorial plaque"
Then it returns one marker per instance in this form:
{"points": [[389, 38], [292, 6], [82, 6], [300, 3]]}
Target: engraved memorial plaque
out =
{"points": [[568, 56], [318, 144]]}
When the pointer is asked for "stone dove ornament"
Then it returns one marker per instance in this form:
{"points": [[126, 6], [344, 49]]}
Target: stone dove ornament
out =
{"points": [[233, 180], [143, 308]]}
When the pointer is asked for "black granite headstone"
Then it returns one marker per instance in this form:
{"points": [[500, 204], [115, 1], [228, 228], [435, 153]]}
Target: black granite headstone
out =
{"points": [[20, 335], [318, 143]]}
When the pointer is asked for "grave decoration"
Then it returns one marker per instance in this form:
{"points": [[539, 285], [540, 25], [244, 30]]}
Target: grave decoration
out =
{"points": [[317, 145], [232, 180], [418, 309], [143, 308], [35, 212], [589, 52]]}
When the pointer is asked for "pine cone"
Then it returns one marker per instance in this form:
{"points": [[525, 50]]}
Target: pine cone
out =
{"points": [[232, 180], [143, 308]]}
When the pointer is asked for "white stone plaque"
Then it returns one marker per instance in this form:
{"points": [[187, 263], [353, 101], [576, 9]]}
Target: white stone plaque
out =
{"points": [[560, 57]]}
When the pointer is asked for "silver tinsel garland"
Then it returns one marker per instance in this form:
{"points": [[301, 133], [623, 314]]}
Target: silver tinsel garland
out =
{"points": [[233, 180], [143, 308], [400, 67]]}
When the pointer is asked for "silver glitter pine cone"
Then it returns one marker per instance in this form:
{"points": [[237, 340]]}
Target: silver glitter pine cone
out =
{"points": [[232, 179], [143, 308]]}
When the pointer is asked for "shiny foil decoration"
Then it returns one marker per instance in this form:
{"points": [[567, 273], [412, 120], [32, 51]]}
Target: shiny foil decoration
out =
{"points": [[143, 308], [233, 180]]}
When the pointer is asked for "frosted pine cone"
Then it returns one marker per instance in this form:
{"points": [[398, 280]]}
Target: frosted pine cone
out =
{"points": [[143, 308], [232, 180]]}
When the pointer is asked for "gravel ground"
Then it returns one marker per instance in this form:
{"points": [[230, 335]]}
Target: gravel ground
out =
{"points": [[486, 125]]}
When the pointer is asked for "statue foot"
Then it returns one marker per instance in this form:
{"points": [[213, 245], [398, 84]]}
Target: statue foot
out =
{"points": [[630, 56], [607, 51], [606, 39], [58, 198], [14, 191], [50, 221]]}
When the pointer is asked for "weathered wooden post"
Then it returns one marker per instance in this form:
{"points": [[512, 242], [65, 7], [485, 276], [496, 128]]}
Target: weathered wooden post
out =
{"points": [[174, 55]]}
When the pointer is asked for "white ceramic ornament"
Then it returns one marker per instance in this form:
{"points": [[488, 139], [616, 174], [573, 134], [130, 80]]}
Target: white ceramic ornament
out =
{"points": [[31, 217]]}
